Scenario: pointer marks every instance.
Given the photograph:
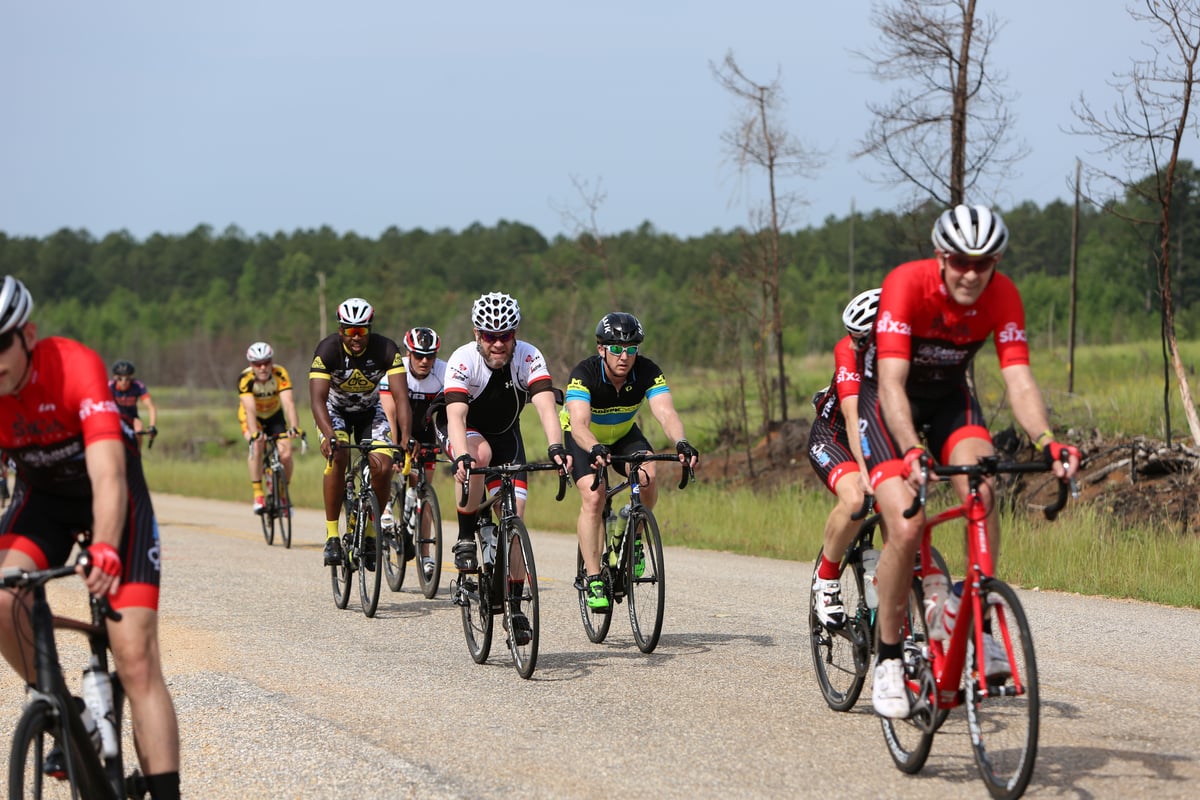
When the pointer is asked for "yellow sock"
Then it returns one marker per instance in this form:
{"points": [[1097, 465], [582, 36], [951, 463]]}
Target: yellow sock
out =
{"points": [[331, 529], [256, 486]]}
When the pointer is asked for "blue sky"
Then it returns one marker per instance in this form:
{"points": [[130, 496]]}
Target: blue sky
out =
{"points": [[272, 115]]}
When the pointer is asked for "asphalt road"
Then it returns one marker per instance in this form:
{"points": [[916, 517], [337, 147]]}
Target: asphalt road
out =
{"points": [[280, 695]]}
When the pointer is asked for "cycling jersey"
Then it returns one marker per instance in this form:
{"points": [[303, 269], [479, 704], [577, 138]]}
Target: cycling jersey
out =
{"points": [[613, 412], [127, 399], [354, 380], [919, 321], [265, 393], [44, 429], [496, 396], [421, 393], [829, 450]]}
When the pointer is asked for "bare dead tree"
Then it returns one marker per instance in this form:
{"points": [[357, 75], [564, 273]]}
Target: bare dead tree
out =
{"points": [[1145, 130], [758, 141], [947, 133]]}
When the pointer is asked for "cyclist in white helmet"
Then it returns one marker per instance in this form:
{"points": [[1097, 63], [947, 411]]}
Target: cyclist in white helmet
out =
{"points": [[266, 404], [343, 387]]}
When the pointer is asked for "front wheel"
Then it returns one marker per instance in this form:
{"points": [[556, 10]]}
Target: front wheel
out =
{"points": [[393, 540], [521, 599], [842, 656], [371, 578], [35, 735], [646, 587], [428, 540], [1004, 722]]}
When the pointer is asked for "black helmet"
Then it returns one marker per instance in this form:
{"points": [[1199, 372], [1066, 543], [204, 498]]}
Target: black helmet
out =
{"points": [[619, 328], [123, 368]]}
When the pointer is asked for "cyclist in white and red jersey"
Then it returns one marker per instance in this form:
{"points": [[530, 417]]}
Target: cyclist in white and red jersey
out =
{"points": [[835, 450], [934, 315], [79, 472], [488, 383]]}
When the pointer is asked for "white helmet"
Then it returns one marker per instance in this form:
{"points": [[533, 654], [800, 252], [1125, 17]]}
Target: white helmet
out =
{"points": [[259, 351], [355, 311], [495, 313], [15, 304], [973, 231], [859, 315]]}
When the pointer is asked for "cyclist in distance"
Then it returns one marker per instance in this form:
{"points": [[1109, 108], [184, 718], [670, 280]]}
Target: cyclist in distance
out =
{"points": [[426, 378], [488, 382], [128, 391], [599, 417], [266, 405], [835, 451], [934, 315], [79, 470], [343, 387]]}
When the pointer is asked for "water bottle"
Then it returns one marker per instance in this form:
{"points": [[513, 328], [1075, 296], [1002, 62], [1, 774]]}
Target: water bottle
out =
{"points": [[950, 609], [936, 587], [98, 697], [89, 722], [489, 543], [410, 508], [870, 560]]}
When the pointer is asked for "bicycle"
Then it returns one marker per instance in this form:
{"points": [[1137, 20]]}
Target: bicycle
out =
{"points": [[362, 511], [505, 581], [1002, 711], [631, 563], [92, 756], [842, 655], [417, 529], [277, 503]]}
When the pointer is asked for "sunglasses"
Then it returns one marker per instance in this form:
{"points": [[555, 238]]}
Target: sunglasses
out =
{"points": [[259, 364], [356, 330], [492, 338], [967, 264], [616, 349], [7, 338], [422, 356]]}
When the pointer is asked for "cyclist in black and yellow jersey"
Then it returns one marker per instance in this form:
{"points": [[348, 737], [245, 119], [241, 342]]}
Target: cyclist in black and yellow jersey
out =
{"points": [[266, 405], [343, 387], [604, 394]]}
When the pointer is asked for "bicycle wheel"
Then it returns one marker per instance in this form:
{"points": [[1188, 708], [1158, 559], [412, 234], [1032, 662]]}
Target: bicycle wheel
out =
{"points": [[595, 623], [428, 539], [393, 545], [472, 593], [266, 516], [647, 592], [842, 656], [35, 735], [283, 507], [909, 740], [342, 575], [1004, 724], [522, 597], [370, 578]]}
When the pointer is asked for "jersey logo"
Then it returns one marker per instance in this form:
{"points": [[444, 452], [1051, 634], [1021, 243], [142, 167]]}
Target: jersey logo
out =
{"points": [[887, 324], [1011, 333], [318, 363], [356, 382]]}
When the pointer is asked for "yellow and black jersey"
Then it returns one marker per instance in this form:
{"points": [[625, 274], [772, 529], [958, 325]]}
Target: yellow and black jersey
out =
{"points": [[354, 380], [266, 394]]}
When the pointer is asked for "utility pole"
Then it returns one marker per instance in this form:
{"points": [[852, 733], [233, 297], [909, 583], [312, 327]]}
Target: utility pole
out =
{"points": [[321, 301], [1071, 317], [851, 248]]}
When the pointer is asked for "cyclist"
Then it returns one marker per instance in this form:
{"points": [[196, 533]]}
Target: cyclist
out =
{"points": [[934, 315], [343, 387], [266, 405], [835, 451], [488, 382], [78, 469], [128, 391], [604, 393], [426, 377]]}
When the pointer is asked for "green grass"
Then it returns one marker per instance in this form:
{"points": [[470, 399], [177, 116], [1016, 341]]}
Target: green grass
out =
{"points": [[1118, 392]]}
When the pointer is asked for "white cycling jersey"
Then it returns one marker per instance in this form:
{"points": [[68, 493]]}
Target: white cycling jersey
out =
{"points": [[501, 393]]}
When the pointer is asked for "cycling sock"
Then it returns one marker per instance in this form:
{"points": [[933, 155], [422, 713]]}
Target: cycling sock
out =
{"points": [[828, 570], [163, 786], [331, 529], [887, 651], [257, 487], [466, 525]]}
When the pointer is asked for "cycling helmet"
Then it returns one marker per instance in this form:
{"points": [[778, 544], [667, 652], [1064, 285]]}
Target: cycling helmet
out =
{"points": [[973, 231], [422, 341], [619, 328], [355, 311], [259, 351], [495, 313], [123, 368], [15, 304], [859, 315]]}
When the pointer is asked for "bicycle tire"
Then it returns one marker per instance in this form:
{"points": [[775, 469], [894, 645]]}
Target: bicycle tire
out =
{"points": [[342, 575], [283, 507], [909, 740], [525, 597], [428, 539], [35, 734], [394, 564], [266, 515], [1004, 724], [595, 623], [645, 593], [842, 657], [370, 578], [473, 593]]}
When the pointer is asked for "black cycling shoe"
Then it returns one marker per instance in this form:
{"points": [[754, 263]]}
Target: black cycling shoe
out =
{"points": [[522, 631], [368, 555], [333, 552], [410, 549], [464, 555], [54, 765]]}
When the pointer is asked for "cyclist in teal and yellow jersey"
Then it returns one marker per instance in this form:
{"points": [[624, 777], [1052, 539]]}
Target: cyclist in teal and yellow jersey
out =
{"points": [[343, 388], [266, 405], [604, 394]]}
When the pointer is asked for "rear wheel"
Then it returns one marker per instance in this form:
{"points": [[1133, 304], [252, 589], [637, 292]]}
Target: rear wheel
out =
{"points": [[1004, 723], [371, 577], [646, 592], [473, 591], [521, 598], [283, 507], [428, 540], [595, 623], [909, 740], [265, 516], [842, 656], [342, 575], [393, 544]]}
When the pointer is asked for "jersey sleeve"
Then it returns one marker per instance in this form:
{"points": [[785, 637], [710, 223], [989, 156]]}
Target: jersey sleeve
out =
{"points": [[88, 391], [283, 380], [1012, 345], [897, 306], [246, 383], [846, 376]]}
